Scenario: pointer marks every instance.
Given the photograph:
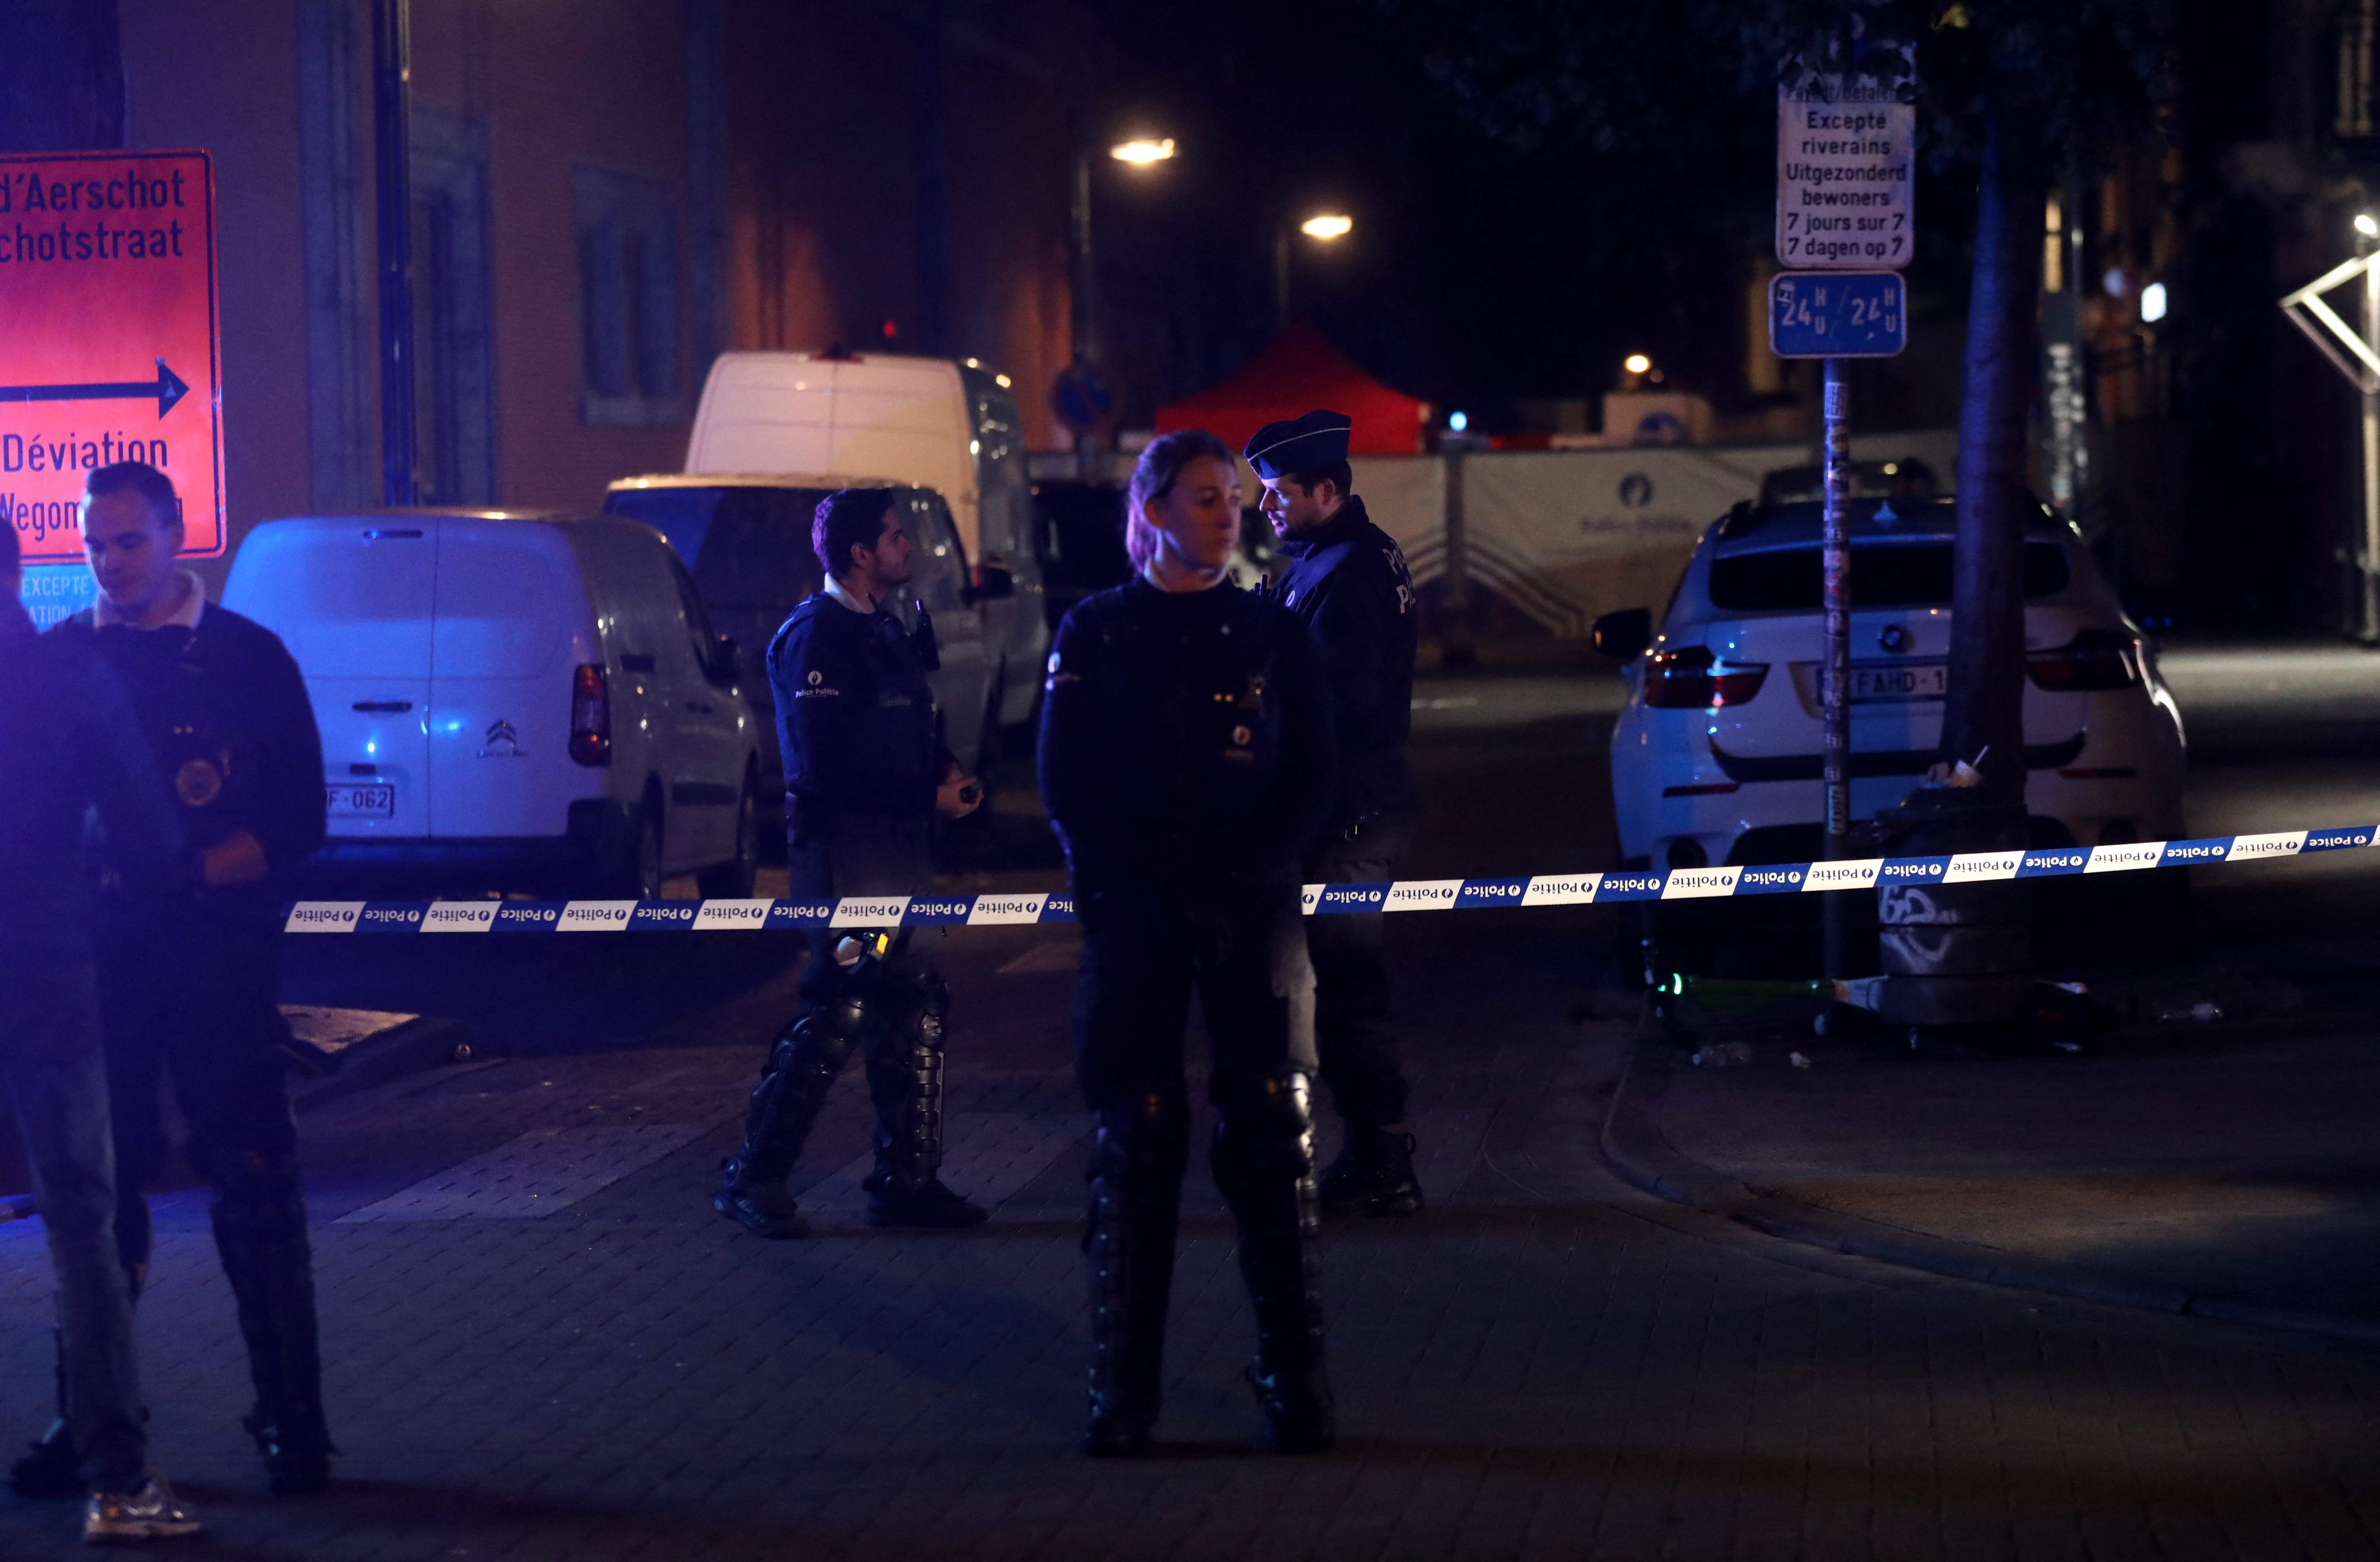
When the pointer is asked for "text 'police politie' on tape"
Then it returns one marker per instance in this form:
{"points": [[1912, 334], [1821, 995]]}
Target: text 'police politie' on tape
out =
{"points": [[1320, 899]]}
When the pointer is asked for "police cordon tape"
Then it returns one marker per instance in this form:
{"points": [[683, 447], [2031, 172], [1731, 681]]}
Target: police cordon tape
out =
{"points": [[1332, 899]]}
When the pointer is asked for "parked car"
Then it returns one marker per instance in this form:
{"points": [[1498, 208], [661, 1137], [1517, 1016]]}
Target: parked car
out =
{"points": [[954, 428], [512, 701], [1905, 479], [746, 540], [1716, 757]]}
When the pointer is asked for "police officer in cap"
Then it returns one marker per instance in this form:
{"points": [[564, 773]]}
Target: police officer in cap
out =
{"points": [[189, 985], [1186, 762], [1347, 580], [865, 774]]}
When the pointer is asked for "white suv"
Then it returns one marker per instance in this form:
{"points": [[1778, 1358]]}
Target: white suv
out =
{"points": [[1717, 757]]}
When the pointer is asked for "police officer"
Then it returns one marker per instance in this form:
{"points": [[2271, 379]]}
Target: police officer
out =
{"points": [[1186, 762], [1347, 580], [189, 985], [865, 775], [73, 746]]}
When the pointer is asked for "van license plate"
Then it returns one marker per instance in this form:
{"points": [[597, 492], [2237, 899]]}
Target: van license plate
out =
{"points": [[1905, 680], [369, 800]]}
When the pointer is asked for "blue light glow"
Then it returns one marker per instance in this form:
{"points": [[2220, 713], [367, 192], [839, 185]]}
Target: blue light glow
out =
{"points": [[1458, 421]]}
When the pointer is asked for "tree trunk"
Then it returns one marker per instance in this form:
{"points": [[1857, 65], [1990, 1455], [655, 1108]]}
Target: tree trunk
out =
{"points": [[1986, 710], [61, 76]]}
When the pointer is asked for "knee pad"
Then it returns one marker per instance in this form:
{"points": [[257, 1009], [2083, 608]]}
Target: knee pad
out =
{"points": [[1143, 1134], [1264, 1126], [822, 1037]]}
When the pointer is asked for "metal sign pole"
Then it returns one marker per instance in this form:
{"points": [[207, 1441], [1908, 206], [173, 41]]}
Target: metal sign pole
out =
{"points": [[2368, 631], [1835, 687]]}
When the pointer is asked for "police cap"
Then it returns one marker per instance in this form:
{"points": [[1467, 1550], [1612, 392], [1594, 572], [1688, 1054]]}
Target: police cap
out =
{"points": [[1299, 444]]}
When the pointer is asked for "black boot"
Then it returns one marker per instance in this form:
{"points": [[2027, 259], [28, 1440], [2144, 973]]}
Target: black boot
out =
{"points": [[803, 1062], [904, 1080], [1263, 1164], [1136, 1183], [259, 1221], [1373, 1176]]}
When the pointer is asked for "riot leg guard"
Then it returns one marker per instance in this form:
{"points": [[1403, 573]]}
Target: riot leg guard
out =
{"points": [[803, 1063], [1264, 1165], [259, 1221], [904, 1078], [1136, 1188]]}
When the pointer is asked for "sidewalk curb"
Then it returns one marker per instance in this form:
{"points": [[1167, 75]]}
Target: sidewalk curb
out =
{"points": [[1634, 1144], [411, 1048]]}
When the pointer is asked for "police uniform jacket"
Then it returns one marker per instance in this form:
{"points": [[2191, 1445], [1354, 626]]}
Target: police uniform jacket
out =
{"points": [[71, 744], [225, 712], [1186, 744], [854, 716], [1348, 583]]}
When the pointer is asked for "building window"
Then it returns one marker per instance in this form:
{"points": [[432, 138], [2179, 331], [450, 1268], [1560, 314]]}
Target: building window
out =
{"points": [[628, 334]]}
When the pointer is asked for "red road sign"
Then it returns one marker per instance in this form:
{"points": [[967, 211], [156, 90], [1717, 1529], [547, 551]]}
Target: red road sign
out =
{"points": [[109, 348]]}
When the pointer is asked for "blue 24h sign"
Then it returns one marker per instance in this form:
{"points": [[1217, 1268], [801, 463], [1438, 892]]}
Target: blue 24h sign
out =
{"points": [[1836, 314]]}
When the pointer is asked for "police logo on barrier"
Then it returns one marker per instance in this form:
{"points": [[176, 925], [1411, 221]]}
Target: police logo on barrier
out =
{"points": [[951, 910], [1575, 890], [458, 916], [2193, 851], [720, 914], [531, 916], [2038, 864], [2339, 840], [596, 916], [1422, 894], [999, 911], [1492, 892], [390, 919], [2129, 858], [1697, 883], [1629, 887], [1912, 869], [324, 916], [854, 910], [1058, 908], [1857, 873], [661, 915], [1342, 899], [1784, 878], [1973, 867], [2288, 843], [1308, 897], [800, 913]]}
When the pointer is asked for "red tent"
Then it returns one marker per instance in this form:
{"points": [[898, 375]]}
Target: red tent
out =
{"points": [[1300, 372]]}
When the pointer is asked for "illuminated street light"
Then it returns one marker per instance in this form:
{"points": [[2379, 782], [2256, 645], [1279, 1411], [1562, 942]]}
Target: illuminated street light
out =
{"points": [[1458, 421], [2153, 304], [1327, 226], [1637, 363], [1142, 150], [2366, 226]]}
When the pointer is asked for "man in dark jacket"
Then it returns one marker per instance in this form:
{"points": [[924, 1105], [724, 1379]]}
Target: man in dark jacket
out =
{"points": [[1347, 580], [73, 748], [866, 772], [189, 983]]}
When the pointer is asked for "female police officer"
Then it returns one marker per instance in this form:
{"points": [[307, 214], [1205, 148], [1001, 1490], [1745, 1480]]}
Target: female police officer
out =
{"points": [[1186, 765]]}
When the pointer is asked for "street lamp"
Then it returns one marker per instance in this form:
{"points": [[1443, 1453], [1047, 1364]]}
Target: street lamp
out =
{"points": [[1327, 225], [1142, 150], [1323, 228], [1637, 364], [2356, 354]]}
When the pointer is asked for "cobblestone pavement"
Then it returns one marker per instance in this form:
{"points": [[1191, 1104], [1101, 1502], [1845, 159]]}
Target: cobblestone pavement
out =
{"points": [[1548, 1364]]}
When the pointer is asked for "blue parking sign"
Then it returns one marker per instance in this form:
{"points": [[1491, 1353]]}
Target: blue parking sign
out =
{"points": [[1836, 314]]}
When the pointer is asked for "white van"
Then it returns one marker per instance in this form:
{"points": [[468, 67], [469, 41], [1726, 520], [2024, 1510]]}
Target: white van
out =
{"points": [[954, 428], [512, 702]]}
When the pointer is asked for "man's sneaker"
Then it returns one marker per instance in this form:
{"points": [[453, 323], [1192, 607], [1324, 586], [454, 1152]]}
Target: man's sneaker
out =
{"points": [[1373, 1176], [765, 1209], [50, 1469], [929, 1205], [151, 1513]]}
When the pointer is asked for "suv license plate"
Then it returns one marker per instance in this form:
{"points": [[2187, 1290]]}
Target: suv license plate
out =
{"points": [[1907, 680], [369, 800]]}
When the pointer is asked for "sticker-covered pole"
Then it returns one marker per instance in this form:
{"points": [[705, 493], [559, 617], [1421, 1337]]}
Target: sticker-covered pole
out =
{"points": [[1835, 686]]}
